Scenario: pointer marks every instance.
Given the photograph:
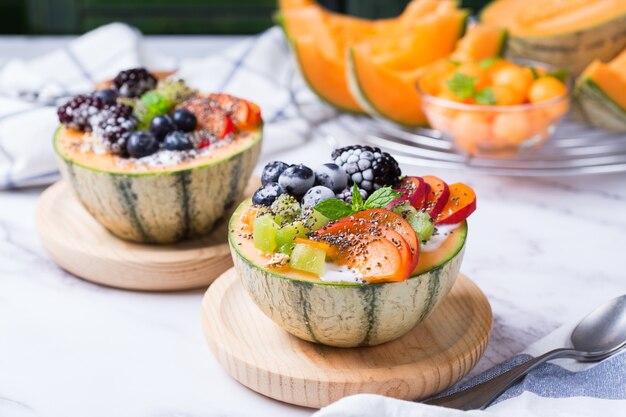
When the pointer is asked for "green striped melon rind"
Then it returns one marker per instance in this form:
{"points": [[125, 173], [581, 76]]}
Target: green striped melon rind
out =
{"points": [[343, 314], [572, 50], [596, 108], [166, 206]]}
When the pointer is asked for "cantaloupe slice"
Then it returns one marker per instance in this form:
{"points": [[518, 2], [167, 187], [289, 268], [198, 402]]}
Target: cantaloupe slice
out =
{"points": [[382, 74], [564, 33], [600, 94], [321, 38], [294, 4], [480, 42], [385, 84]]}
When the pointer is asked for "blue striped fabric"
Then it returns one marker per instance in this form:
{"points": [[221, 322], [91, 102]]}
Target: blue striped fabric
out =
{"points": [[606, 380]]}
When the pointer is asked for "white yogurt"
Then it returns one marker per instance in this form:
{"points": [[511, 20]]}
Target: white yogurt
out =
{"points": [[339, 273], [439, 236]]}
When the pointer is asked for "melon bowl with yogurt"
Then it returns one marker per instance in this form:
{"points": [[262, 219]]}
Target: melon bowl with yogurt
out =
{"points": [[346, 314], [351, 253], [174, 180]]}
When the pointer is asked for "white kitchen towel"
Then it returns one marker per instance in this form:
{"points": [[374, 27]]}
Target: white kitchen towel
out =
{"points": [[561, 388], [259, 68]]}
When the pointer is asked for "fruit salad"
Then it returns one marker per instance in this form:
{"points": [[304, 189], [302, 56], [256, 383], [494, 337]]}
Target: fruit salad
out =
{"points": [[355, 219], [140, 121], [493, 104]]}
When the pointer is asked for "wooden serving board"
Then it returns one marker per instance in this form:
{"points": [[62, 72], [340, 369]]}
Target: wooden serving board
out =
{"points": [[80, 245], [263, 357]]}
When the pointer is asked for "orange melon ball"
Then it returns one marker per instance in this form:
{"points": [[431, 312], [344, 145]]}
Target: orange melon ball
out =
{"points": [[440, 121], [497, 65], [556, 110], [469, 130], [513, 77], [473, 70], [506, 96], [447, 94], [538, 121], [546, 88], [511, 128]]}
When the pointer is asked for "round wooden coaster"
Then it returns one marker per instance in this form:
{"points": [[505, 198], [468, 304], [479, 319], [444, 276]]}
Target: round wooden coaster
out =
{"points": [[80, 245], [427, 360]]}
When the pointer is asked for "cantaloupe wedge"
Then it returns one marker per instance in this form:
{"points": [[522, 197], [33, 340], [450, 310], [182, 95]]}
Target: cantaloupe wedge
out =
{"points": [[383, 78], [320, 41], [600, 94], [480, 42]]}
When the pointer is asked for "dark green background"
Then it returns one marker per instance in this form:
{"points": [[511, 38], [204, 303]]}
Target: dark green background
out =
{"points": [[168, 16]]}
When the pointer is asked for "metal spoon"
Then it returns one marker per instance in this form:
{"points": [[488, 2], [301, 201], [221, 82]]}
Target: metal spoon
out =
{"points": [[599, 335]]}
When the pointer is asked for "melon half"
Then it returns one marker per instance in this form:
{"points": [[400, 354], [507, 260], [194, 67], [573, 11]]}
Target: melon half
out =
{"points": [[564, 33], [345, 314]]}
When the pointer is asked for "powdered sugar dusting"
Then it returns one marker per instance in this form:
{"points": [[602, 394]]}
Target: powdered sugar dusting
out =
{"points": [[91, 143]]}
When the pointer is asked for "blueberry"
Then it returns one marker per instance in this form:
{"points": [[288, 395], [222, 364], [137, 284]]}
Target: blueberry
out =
{"points": [[297, 179], [109, 96], [184, 120], [316, 195], [141, 144], [272, 171], [267, 194], [331, 176], [177, 141], [161, 126]]}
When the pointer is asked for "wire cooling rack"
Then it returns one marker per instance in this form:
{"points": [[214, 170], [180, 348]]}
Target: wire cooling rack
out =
{"points": [[574, 149]]}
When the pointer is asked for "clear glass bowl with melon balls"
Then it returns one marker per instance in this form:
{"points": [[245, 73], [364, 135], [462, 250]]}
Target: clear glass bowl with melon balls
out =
{"points": [[154, 160], [494, 107], [351, 253]]}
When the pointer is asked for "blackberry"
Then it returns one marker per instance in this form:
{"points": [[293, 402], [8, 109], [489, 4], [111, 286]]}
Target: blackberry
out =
{"points": [[114, 126], [369, 168], [134, 82], [346, 195], [77, 112]]}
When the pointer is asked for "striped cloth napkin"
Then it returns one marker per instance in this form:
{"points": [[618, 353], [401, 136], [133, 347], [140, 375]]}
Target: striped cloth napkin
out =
{"points": [[259, 68], [561, 388]]}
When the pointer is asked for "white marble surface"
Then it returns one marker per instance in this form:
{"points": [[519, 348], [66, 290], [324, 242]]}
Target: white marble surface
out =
{"points": [[544, 250]]}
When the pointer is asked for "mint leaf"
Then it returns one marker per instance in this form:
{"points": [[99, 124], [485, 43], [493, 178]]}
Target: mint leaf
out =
{"points": [[454, 62], [486, 96], [461, 85], [534, 72], [560, 74], [381, 198], [487, 62], [357, 198], [334, 209]]}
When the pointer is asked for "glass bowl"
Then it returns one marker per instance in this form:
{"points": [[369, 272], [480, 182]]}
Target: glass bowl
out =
{"points": [[478, 129]]}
